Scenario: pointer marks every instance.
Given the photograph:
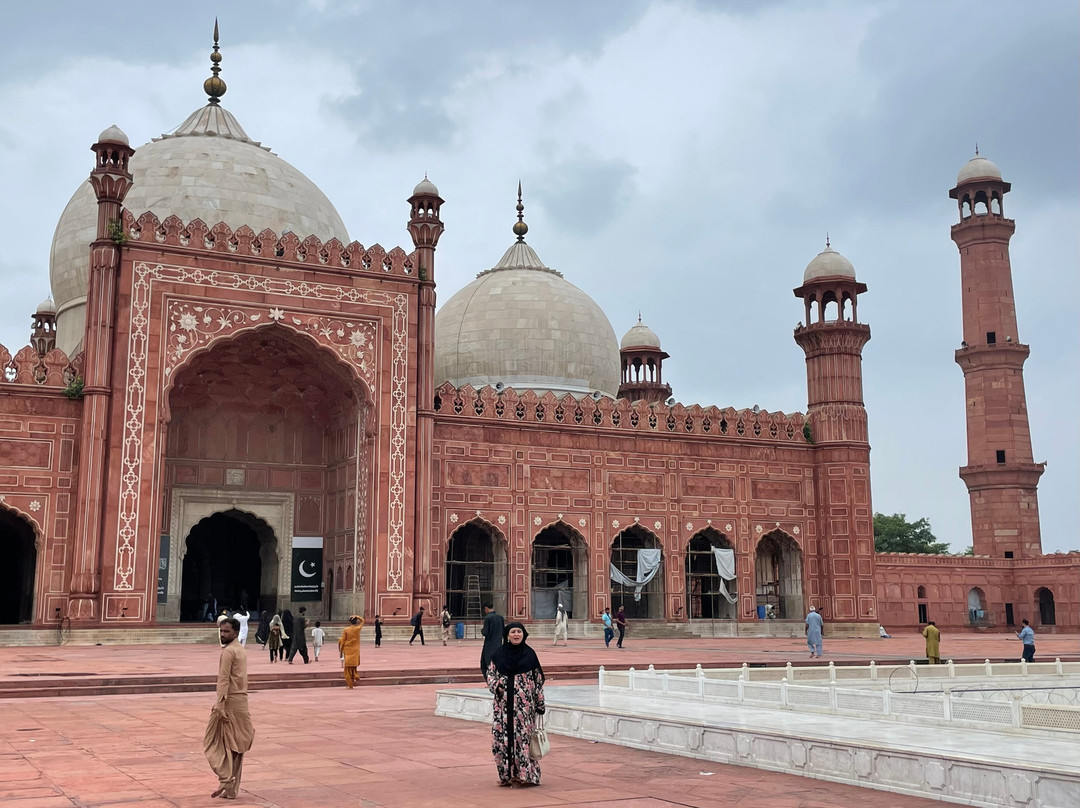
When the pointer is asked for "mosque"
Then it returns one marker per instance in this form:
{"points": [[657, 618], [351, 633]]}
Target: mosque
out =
{"points": [[226, 401]]}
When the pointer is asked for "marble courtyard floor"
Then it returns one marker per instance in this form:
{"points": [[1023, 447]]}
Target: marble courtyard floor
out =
{"points": [[382, 746]]}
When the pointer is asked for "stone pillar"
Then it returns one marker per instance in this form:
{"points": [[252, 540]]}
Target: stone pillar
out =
{"points": [[111, 181]]}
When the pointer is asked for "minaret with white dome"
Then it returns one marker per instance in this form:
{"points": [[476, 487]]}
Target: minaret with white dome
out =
{"points": [[833, 339], [43, 333], [642, 365], [1001, 475], [840, 541]]}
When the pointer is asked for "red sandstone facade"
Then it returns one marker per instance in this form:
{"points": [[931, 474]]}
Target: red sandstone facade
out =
{"points": [[287, 385]]}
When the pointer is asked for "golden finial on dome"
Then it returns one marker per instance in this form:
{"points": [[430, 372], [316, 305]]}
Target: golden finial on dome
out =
{"points": [[215, 85], [520, 228]]}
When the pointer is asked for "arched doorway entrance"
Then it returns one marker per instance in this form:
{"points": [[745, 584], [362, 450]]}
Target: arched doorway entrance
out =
{"points": [[268, 423], [1044, 603], [704, 587], [778, 576], [232, 557], [560, 572], [17, 571], [626, 557], [976, 603], [475, 570]]}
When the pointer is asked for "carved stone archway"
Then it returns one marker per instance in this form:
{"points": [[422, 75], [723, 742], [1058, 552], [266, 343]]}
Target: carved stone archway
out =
{"points": [[191, 505]]}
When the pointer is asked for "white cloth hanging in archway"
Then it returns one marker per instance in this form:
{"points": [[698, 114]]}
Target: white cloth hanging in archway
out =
{"points": [[725, 565], [648, 564]]}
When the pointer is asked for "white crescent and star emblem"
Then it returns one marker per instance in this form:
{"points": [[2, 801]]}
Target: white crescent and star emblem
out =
{"points": [[308, 574]]}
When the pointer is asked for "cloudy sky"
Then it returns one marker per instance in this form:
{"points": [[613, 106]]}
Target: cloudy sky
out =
{"points": [[684, 159]]}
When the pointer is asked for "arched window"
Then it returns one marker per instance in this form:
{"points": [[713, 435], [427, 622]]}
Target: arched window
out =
{"points": [[648, 604], [560, 572], [704, 587], [17, 571], [778, 576], [976, 603], [921, 593], [1044, 605], [475, 570]]}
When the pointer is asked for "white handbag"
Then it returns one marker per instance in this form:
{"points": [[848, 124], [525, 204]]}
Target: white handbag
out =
{"points": [[538, 743]]}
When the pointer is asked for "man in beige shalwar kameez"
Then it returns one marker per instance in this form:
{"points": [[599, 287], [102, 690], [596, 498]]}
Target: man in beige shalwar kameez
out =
{"points": [[229, 732]]}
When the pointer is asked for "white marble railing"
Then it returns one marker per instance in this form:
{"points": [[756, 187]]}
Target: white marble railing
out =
{"points": [[1007, 696]]}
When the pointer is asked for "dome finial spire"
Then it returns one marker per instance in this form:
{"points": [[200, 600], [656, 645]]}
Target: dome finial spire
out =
{"points": [[828, 244], [976, 148], [520, 228], [214, 86]]}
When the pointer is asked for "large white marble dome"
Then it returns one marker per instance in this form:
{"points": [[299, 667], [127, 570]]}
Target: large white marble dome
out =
{"points": [[522, 325], [208, 168]]}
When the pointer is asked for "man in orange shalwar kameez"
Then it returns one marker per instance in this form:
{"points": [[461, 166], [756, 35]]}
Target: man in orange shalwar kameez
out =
{"points": [[229, 732], [349, 646]]}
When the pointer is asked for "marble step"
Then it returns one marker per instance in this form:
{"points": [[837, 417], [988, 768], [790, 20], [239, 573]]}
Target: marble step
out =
{"points": [[957, 765]]}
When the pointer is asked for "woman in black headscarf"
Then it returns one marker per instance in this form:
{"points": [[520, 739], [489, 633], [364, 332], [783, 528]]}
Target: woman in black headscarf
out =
{"points": [[516, 680], [263, 631]]}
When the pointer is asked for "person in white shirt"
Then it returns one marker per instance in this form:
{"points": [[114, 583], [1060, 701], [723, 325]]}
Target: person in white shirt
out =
{"points": [[243, 617], [317, 635], [560, 626]]}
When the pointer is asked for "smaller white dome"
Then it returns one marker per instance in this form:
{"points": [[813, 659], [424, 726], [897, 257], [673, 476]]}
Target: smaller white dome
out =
{"points": [[640, 336], [978, 168], [828, 263], [46, 306], [426, 187], [114, 134]]}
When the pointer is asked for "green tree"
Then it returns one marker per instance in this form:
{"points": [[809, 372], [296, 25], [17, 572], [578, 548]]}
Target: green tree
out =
{"points": [[895, 534]]}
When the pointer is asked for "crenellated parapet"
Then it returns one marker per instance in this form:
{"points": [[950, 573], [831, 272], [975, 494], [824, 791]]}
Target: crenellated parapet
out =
{"points": [[29, 368], [509, 406], [284, 248]]}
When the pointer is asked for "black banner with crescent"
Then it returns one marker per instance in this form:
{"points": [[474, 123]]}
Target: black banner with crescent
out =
{"points": [[306, 570]]}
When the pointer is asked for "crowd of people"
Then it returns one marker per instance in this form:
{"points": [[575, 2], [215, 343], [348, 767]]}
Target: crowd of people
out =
{"points": [[509, 665]]}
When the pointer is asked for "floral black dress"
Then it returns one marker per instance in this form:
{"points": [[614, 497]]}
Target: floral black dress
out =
{"points": [[518, 700]]}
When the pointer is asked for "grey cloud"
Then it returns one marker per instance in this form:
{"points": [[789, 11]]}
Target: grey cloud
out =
{"points": [[582, 195]]}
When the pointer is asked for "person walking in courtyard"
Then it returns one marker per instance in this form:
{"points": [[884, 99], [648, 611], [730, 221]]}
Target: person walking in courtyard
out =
{"points": [[299, 636], [263, 631], [445, 618], [349, 647], [814, 625], [275, 639], [492, 632], [516, 681], [243, 616], [229, 732], [317, 635], [933, 643], [417, 626], [609, 632], [378, 631], [620, 624], [287, 623], [1027, 636], [560, 626]]}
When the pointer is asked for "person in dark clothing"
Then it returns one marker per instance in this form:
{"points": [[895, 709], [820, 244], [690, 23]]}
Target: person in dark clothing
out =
{"points": [[620, 624], [418, 626], [263, 631], [299, 637], [378, 631], [287, 622], [493, 636]]}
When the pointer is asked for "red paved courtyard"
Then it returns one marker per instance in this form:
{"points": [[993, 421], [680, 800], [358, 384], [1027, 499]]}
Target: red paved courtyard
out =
{"points": [[381, 746]]}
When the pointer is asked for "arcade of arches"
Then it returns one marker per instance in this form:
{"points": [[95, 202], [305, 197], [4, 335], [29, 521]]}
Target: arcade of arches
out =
{"points": [[17, 573], [267, 413]]}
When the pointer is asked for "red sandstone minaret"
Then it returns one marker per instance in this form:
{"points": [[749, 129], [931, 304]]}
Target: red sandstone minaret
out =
{"points": [[642, 365], [111, 179], [1000, 474], [839, 547], [43, 333], [425, 227]]}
